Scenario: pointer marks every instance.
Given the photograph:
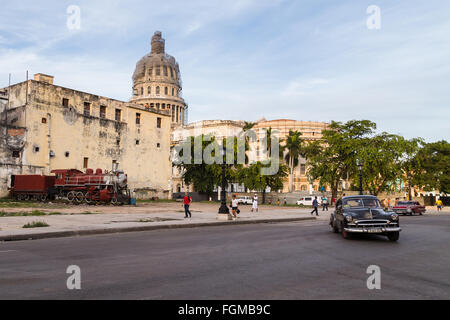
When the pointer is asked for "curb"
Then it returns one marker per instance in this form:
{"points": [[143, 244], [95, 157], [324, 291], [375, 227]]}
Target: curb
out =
{"points": [[74, 233]]}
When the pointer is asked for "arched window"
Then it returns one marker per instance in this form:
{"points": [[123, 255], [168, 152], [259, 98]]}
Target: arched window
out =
{"points": [[166, 91], [165, 71], [149, 90], [157, 90], [158, 70], [142, 91]]}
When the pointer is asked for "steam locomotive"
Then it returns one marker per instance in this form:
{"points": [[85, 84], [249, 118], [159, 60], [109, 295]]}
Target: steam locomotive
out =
{"points": [[74, 186]]}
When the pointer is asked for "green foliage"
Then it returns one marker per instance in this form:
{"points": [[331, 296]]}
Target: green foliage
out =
{"points": [[431, 169], [36, 224], [295, 147], [252, 178]]}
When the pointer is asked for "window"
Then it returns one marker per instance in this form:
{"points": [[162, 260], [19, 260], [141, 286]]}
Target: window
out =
{"points": [[158, 123], [157, 106], [158, 145], [16, 154], [165, 71], [85, 163], [302, 169], [36, 149], [150, 71], [137, 142], [67, 154], [171, 72], [166, 91], [103, 112], [118, 116], [157, 90], [87, 109], [163, 106], [158, 70], [44, 120], [138, 118], [65, 102], [142, 91], [152, 105], [118, 142], [173, 91], [149, 90], [177, 112]]}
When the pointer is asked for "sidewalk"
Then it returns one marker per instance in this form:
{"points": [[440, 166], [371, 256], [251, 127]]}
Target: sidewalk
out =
{"points": [[88, 220]]}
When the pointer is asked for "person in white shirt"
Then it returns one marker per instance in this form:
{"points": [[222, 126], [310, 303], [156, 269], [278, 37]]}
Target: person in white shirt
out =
{"points": [[234, 207], [255, 203]]}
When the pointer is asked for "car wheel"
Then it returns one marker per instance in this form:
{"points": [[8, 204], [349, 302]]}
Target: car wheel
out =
{"points": [[394, 236], [334, 227]]}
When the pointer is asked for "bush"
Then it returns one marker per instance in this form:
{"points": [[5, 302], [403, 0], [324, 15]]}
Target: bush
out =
{"points": [[36, 224]]}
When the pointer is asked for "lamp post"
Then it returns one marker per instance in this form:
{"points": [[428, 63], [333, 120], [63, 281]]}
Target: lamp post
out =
{"points": [[223, 196], [360, 166]]}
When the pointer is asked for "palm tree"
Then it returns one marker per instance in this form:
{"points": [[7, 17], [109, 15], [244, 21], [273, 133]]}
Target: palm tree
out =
{"points": [[295, 147]]}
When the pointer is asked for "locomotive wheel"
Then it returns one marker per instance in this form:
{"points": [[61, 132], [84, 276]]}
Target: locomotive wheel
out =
{"points": [[43, 197], [26, 197], [79, 197], [87, 198], [114, 201], [71, 196]]}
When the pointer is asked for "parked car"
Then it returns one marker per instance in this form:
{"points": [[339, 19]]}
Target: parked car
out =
{"points": [[364, 214], [307, 201], [409, 207], [245, 200]]}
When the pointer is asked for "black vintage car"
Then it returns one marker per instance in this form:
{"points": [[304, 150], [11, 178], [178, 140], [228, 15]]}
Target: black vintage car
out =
{"points": [[364, 214]]}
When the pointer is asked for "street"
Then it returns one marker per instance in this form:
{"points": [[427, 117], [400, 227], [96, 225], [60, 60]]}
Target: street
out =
{"points": [[302, 260]]}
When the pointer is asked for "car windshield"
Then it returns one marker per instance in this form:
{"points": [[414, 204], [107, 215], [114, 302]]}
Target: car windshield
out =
{"points": [[405, 203], [361, 203]]}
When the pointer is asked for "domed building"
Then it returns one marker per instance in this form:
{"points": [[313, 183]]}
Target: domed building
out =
{"points": [[157, 82]]}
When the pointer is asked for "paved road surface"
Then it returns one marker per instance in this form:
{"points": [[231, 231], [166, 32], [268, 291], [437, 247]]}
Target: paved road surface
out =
{"points": [[277, 261]]}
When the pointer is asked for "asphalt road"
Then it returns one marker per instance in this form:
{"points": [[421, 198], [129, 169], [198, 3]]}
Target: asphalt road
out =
{"points": [[267, 261]]}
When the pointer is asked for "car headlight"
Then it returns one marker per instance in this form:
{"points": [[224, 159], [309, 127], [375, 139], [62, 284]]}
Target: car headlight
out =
{"points": [[349, 218], [409, 210], [394, 217]]}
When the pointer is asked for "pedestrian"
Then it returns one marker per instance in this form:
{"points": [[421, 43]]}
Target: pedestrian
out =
{"points": [[316, 207], [187, 203], [285, 201], [234, 207], [278, 201], [439, 204], [255, 203], [325, 203]]}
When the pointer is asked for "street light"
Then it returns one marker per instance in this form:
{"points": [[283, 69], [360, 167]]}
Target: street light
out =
{"points": [[360, 166], [223, 197]]}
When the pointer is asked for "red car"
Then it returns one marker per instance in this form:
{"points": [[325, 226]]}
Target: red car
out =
{"points": [[409, 207]]}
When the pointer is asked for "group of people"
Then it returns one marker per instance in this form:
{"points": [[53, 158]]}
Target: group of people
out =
{"points": [[234, 205]]}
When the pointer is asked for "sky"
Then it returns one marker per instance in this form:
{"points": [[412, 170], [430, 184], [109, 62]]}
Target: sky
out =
{"points": [[311, 60]]}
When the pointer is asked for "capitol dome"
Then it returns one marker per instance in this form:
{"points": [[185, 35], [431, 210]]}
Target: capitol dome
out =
{"points": [[157, 82]]}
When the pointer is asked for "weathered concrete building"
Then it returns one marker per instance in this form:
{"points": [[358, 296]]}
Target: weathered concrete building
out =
{"points": [[47, 127], [157, 82]]}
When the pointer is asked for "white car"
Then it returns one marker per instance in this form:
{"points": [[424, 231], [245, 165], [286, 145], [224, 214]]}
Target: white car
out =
{"points": [[307, 201], [245, 200]]}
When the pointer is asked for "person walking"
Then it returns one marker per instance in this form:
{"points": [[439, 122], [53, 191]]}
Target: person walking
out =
{"points": [[439, 205], [316, 207], [187, 203], [234, 207], [255, 203]]}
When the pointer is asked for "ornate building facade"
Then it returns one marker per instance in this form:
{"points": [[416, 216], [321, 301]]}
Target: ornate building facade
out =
{"points": [[157, 82]]}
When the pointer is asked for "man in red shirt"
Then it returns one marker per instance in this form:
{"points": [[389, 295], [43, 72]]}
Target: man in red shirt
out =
{"points": [[187, 203]]}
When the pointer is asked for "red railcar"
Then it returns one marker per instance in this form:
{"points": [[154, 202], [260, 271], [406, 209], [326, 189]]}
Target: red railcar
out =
{"points": [[73, 185], [32, 187]]}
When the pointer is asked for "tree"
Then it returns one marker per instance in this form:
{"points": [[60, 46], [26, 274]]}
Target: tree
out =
{"points": [[295, 147], [334, 158], [252, 178], [385, 161], [432, 167]]}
